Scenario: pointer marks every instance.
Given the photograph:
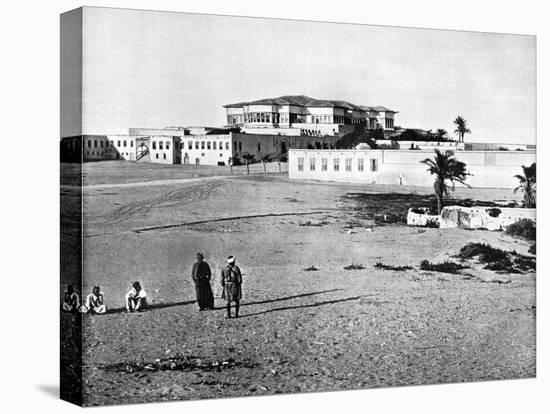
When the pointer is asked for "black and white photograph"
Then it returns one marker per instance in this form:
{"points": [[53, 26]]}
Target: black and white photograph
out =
{"points": [[305, 207], [256, 206]]}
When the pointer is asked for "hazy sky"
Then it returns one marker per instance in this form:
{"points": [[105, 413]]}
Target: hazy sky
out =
{"points": [[154, 69]]}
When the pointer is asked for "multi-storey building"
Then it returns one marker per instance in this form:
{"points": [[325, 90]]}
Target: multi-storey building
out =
{"points": [[302, 115]]}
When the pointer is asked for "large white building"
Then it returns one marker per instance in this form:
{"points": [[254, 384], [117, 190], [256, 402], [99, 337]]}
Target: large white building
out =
{"points": [[302, 115]]}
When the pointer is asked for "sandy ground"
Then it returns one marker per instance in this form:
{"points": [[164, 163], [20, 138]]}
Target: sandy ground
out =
{"points": [[300, 331]]}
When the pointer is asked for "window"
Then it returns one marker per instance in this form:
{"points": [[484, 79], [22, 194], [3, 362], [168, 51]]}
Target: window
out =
{"points": [[196, 144], [164, 155], [155, 145], [348, 164], [190, 145], [240, 146], [221, 155], [157, 154], [208, 145], [312, 164], [336, 163], [324, 164], [112, 144], [89, 144], [202, 154], [300, 164], [124, 143], [118, 143], [374, 164], [95, 144], [360, 164], [131, 143], [167, 145], [259, 147], [214, 145], [160, 145], [101, 144], [227, 145], [202, 145]]}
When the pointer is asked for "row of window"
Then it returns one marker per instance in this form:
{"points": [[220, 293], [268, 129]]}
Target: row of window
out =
{"points": [[120, 143], [160, 145], [209, 145], [348, 162]]}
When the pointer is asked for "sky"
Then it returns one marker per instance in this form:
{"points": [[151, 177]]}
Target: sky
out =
{"points": [[157, 69]]}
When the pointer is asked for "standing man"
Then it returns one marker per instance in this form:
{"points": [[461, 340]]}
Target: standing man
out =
{"points": [[201, 275], [231, 284]]}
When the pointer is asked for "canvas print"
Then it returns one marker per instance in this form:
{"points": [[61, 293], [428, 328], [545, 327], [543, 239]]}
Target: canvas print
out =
{"points": [[255, 206]]}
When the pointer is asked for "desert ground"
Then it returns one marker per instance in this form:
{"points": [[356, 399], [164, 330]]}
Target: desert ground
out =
{"points": [[307, 324]]}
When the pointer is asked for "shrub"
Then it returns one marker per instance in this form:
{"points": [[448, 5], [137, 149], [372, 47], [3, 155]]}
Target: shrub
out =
{"points": [[445, 267], [383, 266], [354, 266], [525, 263], [525, 228], [498, 260], [486, 253]]}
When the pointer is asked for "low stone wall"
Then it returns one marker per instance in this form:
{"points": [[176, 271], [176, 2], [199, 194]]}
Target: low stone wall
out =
{"points": [[420, 217], [489, 218]]}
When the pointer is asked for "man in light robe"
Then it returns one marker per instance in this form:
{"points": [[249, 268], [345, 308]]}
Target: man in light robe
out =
{"points": [[94, 302], [136, 298]]}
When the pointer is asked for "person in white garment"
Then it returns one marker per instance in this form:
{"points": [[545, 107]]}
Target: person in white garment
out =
{"points": [[136, 298], [95, 302], [71, 300]]}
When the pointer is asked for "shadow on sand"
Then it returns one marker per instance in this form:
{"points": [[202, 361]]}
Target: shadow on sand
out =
{"points": [[311, 305], [153, 306], [301, 295]]}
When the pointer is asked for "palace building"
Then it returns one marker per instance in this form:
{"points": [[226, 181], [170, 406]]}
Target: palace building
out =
{"points": [[302, 115]]}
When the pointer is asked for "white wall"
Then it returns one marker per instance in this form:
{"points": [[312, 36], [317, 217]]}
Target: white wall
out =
{"points": [[164, 149], [490, 169], [205, 153]]}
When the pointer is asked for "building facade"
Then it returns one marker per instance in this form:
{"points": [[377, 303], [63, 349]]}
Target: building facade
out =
{"points": [[302, 115], [488, 169]]}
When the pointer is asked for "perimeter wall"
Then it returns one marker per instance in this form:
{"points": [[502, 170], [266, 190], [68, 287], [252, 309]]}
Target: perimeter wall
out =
{"points": [[489, 169]]}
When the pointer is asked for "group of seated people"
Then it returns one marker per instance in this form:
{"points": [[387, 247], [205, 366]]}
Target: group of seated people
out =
{"points": [[135, 299]]}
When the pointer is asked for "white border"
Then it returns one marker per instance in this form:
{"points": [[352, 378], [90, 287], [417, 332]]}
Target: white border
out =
{"points": [[30, 208]]}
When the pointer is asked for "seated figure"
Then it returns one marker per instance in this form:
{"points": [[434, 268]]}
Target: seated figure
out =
{"points": [[71, 300], [94, 302], [136, 298]]}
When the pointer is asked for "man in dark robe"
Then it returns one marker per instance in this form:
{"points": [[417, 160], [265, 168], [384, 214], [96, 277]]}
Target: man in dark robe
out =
{"points": [[231, 280], [201, 275]]}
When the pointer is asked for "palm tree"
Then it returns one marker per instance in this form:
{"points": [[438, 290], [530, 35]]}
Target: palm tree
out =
{"points": [[446, 168], [527, 185], [461, 128], [441, 134], [248, 158]]}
